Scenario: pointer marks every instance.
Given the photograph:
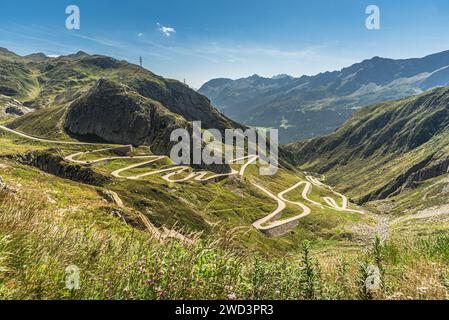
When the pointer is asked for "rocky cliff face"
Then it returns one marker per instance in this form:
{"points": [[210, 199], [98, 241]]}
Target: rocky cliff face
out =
{"points": [[181, 100], [427, 169], [114, 113], [55, 165], [93, 97], [10, 107]]}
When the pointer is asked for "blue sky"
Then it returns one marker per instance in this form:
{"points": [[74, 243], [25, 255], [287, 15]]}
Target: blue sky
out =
{"points": [[228, 38]]}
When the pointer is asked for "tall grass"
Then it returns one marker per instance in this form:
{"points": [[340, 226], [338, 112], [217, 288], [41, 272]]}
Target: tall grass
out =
{"points": [[37, 245]]}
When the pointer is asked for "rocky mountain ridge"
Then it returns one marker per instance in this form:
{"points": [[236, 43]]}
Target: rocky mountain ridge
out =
{"points": [[309, 106]]}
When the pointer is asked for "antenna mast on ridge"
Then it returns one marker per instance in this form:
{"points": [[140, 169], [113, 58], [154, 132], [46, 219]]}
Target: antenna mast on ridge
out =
{"points": [[141, 61]]}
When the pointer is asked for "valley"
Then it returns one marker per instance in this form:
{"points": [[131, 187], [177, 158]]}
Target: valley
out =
{"points": [[269, 225], [86, 179]]}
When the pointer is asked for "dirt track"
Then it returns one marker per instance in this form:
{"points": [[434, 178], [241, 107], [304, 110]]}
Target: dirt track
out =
{"points": [[271, 224]]}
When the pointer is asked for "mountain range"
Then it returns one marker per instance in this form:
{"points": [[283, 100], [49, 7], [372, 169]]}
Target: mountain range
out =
{"points": [[310, 106]]}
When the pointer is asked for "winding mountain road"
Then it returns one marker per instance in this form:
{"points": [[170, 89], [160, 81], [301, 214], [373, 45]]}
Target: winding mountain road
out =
{"points": [[30, 137], [201, 176], [271, 224], [331, 201]]}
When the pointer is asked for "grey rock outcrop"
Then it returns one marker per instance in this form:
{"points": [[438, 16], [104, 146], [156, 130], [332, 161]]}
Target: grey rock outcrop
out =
{"points": [[55, 165], [112, 112], [12, 107], [4, 187], [112, 197], [123, 114]]}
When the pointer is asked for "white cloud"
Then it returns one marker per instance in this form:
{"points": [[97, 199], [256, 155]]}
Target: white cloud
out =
{"points": [[166, 30], [140, 34]]}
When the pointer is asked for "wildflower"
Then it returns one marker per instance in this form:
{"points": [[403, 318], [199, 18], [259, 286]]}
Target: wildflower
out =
{"points": [[232, 296], [228, 288], [162, 294]]}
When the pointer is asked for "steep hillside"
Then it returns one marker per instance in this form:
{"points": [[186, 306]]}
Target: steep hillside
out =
{"points": [[154, 239], [94, 97], [100, 100], [383, 149], [110, 112], [66, 223], [314, 105], [16, 79], [169, 196]]}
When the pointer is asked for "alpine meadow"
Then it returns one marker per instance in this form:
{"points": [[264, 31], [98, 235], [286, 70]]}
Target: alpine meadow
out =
{"points": [[278, 156]]}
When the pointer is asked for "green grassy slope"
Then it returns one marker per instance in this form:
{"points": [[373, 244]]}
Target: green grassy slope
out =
{"points": [[228, 204], [68, 223], [52, 85], [384, 148]]}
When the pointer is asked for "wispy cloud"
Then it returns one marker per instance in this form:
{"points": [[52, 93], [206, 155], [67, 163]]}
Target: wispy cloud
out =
{"points": [[177, 52], [235, 52], [168, 31], [140, 34], [99, 40], [34, 40]]}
